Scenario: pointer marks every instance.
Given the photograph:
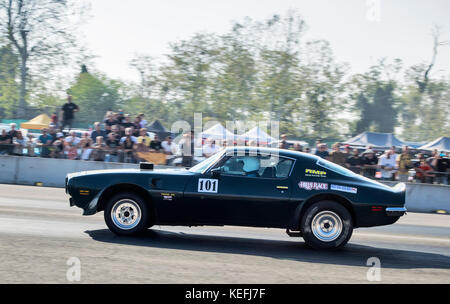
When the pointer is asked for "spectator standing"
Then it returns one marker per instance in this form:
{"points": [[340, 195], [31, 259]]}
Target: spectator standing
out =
{"points": [[347, 150], [109, 122], [68, 110], [224, 144], [86, 144], [322, 151], [30, 145], [128, 143], [369, 163], [58, 146], [97, 132], [19, 143], [143, 122], [72, 143], [298, 147], [120, 117], [45, 141], [5, 142], [54, 119], [284, 144], [112, 146], [169, 149], [52, 131], [143, 141], [13, 132], [187, 149], [404, 164], [155, 145], [210, 148], [423, 172], [98, 152], [387, 164], [442, 166], [354, 162], [137, 124], [337, 156], [126, 122]]}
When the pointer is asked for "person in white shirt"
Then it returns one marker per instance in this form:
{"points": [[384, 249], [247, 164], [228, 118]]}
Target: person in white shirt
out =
{"points": [[169, 149], [210, 148], [387, 164], [142, 122]]}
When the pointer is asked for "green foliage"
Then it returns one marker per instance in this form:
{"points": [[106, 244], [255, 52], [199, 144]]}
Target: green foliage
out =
{"points": [[9, 88], [425, 116], [374, 94], [95, 95]]}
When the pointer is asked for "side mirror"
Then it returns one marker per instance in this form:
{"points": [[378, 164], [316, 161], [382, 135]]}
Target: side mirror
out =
{"points": [[215, 172]]}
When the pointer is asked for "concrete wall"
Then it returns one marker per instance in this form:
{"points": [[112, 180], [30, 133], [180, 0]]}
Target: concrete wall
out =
{"points": [[426, 197], [52, 172]]}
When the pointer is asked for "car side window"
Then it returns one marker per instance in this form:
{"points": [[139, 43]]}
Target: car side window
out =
{"points": [[257, 166]]}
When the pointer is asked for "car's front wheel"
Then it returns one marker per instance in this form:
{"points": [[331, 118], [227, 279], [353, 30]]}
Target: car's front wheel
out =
{"points": [[326, 225], [126, 214]]}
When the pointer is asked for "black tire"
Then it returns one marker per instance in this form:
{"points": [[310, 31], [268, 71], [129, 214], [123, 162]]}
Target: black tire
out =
{"points": [[332, 215], [135, 205]]}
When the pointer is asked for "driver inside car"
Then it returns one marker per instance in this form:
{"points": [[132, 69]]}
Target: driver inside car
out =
{"points": [[251, 166]]}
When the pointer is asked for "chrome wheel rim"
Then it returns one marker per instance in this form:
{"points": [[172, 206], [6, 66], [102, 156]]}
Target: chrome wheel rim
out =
{"points": [[326, 226], [126, 214]]}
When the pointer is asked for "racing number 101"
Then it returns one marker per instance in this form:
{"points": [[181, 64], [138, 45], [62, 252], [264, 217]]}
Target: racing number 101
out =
{"points": [[207, 185]]}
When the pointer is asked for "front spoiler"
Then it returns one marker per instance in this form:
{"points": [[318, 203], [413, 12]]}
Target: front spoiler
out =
{"points": [[89, 208], [396, 211]]}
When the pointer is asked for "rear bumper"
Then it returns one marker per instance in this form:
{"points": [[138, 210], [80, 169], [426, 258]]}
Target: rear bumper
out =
{"points": [[396, 211]]}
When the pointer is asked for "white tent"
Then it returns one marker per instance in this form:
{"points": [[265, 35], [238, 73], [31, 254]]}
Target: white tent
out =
{"points": [[441, 144], [258, 135], [217, 132]]}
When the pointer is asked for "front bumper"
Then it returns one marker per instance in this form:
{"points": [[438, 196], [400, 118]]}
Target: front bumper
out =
{"points": [[396, 211]]}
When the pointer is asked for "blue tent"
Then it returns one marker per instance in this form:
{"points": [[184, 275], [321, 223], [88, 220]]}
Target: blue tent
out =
{"points": [[375, 139], [441, 144]]}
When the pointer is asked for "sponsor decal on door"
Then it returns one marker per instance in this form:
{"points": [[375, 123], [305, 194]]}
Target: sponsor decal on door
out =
{"points": [[313, 186]]}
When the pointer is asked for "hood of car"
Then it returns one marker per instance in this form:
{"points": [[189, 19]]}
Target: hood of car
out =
{"points": [[168, 171]]}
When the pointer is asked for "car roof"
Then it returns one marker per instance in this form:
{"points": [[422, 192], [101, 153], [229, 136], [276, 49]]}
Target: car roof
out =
{"points": [[264, 150]]}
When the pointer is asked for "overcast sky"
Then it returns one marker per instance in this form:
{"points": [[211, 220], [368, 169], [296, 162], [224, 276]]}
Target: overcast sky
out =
{"points": [[358, 35]]}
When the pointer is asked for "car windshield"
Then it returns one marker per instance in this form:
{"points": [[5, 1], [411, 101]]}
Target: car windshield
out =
{"points": [[201, 167], [336, 168]]}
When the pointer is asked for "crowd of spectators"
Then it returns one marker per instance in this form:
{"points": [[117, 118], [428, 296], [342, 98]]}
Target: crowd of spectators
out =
{"points": [[119, 138], [389, 165]]}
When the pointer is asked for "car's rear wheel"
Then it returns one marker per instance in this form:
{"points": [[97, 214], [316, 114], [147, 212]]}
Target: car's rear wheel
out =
{"points": [[326, 225], [127, 214]]}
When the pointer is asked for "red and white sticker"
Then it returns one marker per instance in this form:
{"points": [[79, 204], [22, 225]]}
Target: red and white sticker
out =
{"points": [[313, 186]]}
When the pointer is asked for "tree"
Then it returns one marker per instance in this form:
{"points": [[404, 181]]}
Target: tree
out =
{"points": [[425, 103], [9, 64], [95, 95], [234, 83], [186, 79], [374, 94], [422, 82], [39, 32], [323, 85]]}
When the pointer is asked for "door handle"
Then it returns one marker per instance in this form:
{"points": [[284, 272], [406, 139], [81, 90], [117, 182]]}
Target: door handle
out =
{"points": [[282, 187]]}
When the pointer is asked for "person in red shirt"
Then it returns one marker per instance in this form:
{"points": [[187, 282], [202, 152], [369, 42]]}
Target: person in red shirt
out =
{"points": [[54, 119], [423, 172]]}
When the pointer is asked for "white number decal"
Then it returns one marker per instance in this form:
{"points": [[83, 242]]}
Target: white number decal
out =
{"points": [[207, 185]]}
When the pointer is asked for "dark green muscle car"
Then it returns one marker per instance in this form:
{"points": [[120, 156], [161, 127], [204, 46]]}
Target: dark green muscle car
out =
{"points": [[243, 186]]}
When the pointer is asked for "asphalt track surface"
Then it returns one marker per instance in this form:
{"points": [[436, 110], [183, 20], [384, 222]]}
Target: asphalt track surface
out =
{"points": [[39, 232]]}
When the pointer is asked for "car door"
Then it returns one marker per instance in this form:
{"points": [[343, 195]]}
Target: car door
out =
{"points": [[231, 196]]}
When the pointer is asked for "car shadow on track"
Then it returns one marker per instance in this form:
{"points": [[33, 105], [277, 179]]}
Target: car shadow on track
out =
{"points": [[351, 255]]}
